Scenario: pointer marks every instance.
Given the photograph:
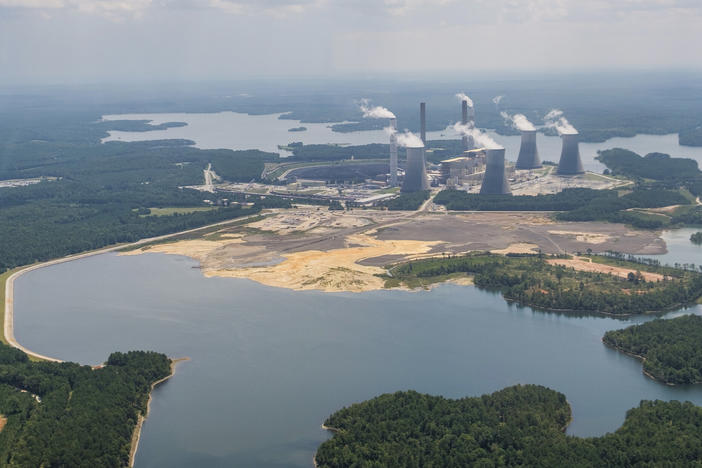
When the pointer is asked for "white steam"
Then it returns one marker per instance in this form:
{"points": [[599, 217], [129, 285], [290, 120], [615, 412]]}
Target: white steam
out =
{"points": [[406, 138], [555, 119], [518, 121], [480, 138], [497, 100], [374, 112], [464, 97]]}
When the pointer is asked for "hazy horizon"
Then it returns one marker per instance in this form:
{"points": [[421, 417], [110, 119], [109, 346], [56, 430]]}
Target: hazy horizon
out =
{"points": [[102, 41]]}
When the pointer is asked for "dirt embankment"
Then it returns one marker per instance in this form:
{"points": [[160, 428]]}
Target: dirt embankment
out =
{"points": [[585, 265]]}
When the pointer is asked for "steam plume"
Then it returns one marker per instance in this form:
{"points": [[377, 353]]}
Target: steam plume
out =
{"points": [[375, 112], [464, 97], [555, 119], [518, 121], [481, 138], [497, 100]]}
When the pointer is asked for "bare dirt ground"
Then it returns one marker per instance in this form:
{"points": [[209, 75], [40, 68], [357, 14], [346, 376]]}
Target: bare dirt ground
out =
{"points": [[313, 248], [585, 265]]}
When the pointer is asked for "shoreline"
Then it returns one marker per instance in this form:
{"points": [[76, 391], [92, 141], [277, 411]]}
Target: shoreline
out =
{"points": [[8, 319], [136, 435], [643, 361]]}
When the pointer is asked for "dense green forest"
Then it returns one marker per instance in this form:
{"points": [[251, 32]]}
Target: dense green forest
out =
{"points": [[531, 280], [671, 348], [65, 414], [691, 136], [657, 166], [407, 201], [577, 204], [521, 425], [696, 238]]}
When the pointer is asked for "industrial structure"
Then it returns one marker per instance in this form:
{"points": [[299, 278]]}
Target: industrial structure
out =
{"points": [[570, 162], [461, 169], [467, 121], [415, 171], [495, 180], [393, 152], [423, 122], [528, 154]]}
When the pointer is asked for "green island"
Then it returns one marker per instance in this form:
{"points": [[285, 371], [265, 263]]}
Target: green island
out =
{"points": [[595, 284], [65, 414], [297, 129], [696, 238], [521, 425], [671, 349]]}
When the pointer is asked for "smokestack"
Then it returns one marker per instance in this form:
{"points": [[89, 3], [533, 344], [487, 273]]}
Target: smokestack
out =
{"points": [[393, 152], [495, 181], [423, 121], [528, 154], [570, 162], [464, 121], [415, 171]]}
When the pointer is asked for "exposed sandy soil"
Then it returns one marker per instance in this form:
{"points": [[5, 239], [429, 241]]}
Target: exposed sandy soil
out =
{"points": [[584, 265], [3, 421], [310, 248]]}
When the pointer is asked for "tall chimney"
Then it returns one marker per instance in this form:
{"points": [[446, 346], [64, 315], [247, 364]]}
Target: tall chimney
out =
{"points": [[415, 171], [464, 121], [393, 152], [528, 154], [495, 180], [570, 162], [423, 121]]}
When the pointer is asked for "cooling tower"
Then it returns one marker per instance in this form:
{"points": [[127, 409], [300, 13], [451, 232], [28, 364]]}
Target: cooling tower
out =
{"points": [[528, 154], [423, 122], [415, 171], [570, 162], [495, 180], [393, 153]]}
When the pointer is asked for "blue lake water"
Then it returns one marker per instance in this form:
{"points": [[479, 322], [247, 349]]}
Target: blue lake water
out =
{"points": [[265, 132], [269, 365]]}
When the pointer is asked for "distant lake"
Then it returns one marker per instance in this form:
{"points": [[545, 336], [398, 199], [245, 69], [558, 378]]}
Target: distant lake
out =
{"points": [[239, 131], [269, 365]]}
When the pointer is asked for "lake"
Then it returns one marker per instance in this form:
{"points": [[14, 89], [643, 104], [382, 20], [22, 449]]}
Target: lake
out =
{"points": [[269, 365], [239, 131]]}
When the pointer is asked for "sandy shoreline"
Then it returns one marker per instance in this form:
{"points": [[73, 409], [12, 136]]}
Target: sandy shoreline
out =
{"points": [[136, 435]]}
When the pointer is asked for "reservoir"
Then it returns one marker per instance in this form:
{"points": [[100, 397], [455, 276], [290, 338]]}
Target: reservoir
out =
{"points": [[268, 365], [239, 131]]}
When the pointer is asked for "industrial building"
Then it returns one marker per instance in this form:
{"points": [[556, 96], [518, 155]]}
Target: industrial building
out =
{"points": [[455, 171], [570, 162], [528, 153], [495, 180]]}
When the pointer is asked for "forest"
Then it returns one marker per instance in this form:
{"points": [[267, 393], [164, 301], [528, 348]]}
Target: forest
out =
{"points": [[671, 349], [521, 425], [65, 414], [530, 280], [578, 204], [407, 201], [657, 166]]}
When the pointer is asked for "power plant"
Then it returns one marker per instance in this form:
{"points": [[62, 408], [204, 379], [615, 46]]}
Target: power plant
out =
{"points": [[415, 171], [495, 180], [423, 122], [570, 162], [528, 154], [393, 152]]}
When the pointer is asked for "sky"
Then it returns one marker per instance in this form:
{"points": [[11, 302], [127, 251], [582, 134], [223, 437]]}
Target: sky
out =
{"points": [[89, 41]]}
